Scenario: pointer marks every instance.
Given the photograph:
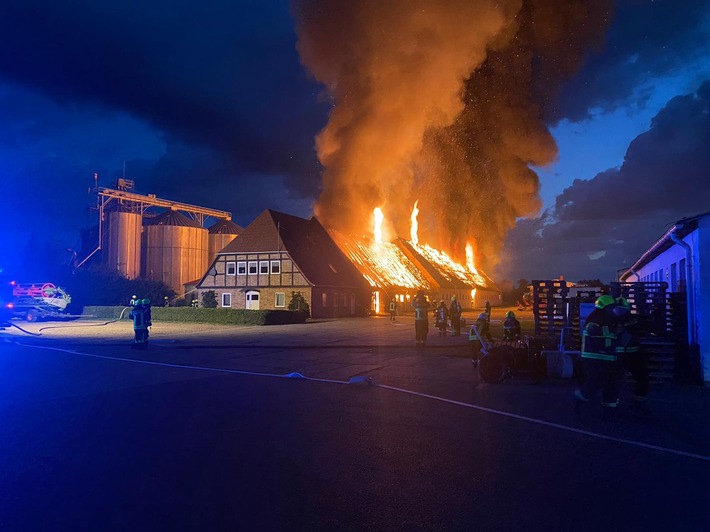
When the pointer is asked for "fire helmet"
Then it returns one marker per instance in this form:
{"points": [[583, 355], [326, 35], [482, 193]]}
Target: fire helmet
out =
{"points": [[146, 301], [621, 308], [510, 314], [483, 316], [604, 301], [453, 298]]}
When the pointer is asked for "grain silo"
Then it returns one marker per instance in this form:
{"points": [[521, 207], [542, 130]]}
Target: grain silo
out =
{"points": [[124, 242], [174, 250], [221, 234]]}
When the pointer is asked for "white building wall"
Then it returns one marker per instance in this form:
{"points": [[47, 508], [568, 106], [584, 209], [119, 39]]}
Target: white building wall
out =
{"points": [[701, 268], [660, 269]]}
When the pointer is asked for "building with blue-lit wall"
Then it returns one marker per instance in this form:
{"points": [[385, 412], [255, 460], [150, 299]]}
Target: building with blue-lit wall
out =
{"points": [[681, 258]]}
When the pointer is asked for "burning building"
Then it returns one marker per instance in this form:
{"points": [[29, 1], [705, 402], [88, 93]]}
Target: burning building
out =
{"points": [[399, 268]]}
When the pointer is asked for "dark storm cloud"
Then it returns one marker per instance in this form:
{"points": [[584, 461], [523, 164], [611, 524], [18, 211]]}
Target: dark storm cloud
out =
{"points": [[647, 39], [604, 224], [222, 75]]}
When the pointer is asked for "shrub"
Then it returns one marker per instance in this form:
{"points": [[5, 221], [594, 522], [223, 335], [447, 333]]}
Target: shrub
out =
{"points": [[299, 304], [209, 299], [224, 316]]}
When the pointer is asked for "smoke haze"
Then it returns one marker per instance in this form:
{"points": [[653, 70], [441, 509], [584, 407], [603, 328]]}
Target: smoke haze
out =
{"points": [[444, 102]]}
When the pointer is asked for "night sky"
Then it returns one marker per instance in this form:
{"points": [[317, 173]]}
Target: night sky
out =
{"points": [[209, 103]]}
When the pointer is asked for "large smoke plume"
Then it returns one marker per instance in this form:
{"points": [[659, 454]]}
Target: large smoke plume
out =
{"points": [[444, 102]]}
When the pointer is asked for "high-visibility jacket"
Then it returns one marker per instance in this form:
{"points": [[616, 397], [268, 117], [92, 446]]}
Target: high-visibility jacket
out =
{"points": [[420, 306], [483, 329], [598, 337]]}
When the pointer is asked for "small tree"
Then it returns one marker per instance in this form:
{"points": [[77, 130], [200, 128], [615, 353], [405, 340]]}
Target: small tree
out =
{"points": [[209, 299], [299, 303]]}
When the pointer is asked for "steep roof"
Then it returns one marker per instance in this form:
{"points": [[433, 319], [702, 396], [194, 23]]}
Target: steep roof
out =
{"points": [[445, 272], [384, 265], [306, 241]]}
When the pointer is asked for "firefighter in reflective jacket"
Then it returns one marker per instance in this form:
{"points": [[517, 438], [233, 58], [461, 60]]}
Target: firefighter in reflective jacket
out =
{"points": [[420, 304], [141, 316], [483, 328], [602, 368]]}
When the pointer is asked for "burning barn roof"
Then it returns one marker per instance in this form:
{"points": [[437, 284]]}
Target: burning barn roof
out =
{"points": [[445, 271], [383, 264], [406, 264]]}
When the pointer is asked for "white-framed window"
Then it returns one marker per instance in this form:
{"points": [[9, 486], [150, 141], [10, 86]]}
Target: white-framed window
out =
{"points": [[264, 267], [241, 268], [231, 268], [252, 267], [280, 301], [275, 266], [226, 299]]}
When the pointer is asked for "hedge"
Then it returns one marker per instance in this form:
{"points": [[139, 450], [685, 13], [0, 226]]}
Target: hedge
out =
{"points": [[225, 316]]}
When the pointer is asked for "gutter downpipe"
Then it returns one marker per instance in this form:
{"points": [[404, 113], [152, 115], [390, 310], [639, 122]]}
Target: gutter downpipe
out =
{"points": [[689, 285]]}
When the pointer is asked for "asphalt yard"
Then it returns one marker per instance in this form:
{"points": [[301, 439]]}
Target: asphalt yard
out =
{"points": [[329, 425]]}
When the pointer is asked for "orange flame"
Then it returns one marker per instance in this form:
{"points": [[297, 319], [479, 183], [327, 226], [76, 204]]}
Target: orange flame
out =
{"points": [[379, 218], [414, 229], [469, 258]]}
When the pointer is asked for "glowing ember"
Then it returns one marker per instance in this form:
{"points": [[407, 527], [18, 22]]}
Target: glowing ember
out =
{"points": [[469, 258], [379, 218], [415, 225]]}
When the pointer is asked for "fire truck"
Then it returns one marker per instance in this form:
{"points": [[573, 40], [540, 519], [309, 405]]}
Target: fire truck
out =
{"points": [[34, 301]]}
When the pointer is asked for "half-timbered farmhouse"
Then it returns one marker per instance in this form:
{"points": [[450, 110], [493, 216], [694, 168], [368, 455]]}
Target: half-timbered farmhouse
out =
{"points": [[278, 255]]}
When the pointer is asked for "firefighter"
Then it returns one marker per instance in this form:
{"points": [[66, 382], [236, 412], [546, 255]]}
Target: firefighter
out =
{"points": [[483, 328], [393, 309], [421, 320], [455, 316], [633, 359], [602, 368], [141, 316], [442, 316], [511, 327]]}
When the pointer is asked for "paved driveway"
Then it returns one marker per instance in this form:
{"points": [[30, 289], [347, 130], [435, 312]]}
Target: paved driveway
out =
{"points": [[335, 425]]}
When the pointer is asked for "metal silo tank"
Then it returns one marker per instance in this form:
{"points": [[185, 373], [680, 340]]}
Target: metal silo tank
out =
{"points": [[221, 234], [174, 249], [124, 243]]}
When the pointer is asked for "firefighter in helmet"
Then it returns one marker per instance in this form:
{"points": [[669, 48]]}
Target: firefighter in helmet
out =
{"points": [[455, 316], [141, 316], [511, 327], [602, 368], [421, 305], [480, 332]]}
